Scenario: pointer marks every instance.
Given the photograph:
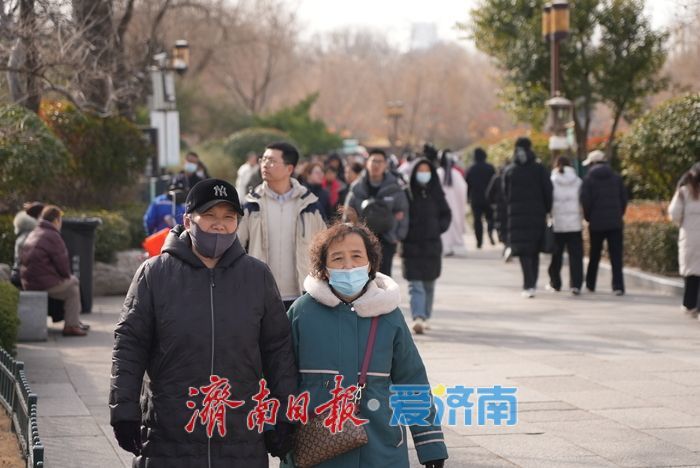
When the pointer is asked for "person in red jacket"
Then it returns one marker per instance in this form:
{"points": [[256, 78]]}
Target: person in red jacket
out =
{"points": [[45, 267]]}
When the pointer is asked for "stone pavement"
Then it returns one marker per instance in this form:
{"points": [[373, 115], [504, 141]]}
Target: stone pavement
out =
{"points": [[602, 380]]}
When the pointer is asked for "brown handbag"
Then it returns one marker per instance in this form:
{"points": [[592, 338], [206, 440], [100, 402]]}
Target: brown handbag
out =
{"points": [[314, 443]]}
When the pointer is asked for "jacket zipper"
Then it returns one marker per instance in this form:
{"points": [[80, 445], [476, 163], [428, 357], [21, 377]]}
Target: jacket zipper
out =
{"points": [[212, 285]]}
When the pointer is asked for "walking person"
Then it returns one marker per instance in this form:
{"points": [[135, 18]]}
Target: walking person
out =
{"points": [[378, 200], [455, 189], [479, 174], [684, 210], [604, 201], [346, 298], [312, 177], [567, 226], [527, 190], [201, 312], [421, 251], [281, 217]]}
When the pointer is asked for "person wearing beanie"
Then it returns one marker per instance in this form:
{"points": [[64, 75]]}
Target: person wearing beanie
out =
{"points": [[604, 201], [203, 318], [478, 177], [527, 190]]}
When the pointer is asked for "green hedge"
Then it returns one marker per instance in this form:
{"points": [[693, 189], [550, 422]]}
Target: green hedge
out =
{"points": [[7, 239], [112, 236], [133, 214], [652, 247], [9, 320]]}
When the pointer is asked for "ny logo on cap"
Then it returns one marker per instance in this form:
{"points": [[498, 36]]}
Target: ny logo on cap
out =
{"points": [[220, 191]]}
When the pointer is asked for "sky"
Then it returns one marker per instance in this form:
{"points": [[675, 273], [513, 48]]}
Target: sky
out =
{"points": [[395, 17]]}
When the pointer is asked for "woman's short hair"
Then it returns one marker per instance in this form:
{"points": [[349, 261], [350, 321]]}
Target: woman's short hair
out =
{"points": [[337, 232], [50, 213]]}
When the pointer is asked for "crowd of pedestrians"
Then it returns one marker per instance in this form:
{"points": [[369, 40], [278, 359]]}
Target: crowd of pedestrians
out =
{"points": [[288, 275]]}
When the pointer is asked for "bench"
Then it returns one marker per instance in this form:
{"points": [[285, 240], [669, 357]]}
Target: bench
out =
{"points": [[32, 309]]}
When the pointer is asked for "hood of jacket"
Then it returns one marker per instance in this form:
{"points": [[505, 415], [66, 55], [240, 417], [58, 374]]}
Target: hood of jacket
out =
{"points": [[179, 245], [381, 297], [23, 223], [434, 178], [568, 177], [601, 171]]}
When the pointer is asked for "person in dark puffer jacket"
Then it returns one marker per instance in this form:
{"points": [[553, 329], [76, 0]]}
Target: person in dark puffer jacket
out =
{"points": [[421, 250], [604, 201], [527, 190], [202, 309]]}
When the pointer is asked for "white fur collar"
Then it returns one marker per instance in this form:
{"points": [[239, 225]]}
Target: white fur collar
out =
{"points": [[382, 295]]}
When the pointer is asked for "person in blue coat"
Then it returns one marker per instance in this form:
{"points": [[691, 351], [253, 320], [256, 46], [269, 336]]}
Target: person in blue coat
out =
{"points": [[330, 328], [161, 214]]}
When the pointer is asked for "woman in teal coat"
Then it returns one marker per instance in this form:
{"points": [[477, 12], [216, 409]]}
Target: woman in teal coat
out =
{"points": [[330, 328]]}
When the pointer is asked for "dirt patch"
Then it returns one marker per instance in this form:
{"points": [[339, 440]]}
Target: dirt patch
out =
{"points": [[9, 447]]}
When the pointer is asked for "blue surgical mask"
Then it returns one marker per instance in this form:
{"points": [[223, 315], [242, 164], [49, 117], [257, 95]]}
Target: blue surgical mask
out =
{"points": [[348, 282], [423, 177], [190, 167]]}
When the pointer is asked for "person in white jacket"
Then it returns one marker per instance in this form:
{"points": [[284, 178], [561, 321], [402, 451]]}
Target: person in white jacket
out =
{"points": [[567, 225], [684, 210]]}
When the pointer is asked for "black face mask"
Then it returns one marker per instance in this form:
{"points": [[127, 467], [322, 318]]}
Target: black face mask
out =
{"points": [[209, 244]]}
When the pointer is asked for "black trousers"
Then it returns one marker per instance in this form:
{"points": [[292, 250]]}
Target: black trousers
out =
{"points": [[614, 240], [530, 264], [388, 251], [573, 243], [479, 212], [690, 293]]}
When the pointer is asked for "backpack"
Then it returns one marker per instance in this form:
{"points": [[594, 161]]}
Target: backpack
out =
{"points": [[377, 215]]}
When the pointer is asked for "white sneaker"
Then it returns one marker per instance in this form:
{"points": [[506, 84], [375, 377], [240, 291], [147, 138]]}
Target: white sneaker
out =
{"points": [[418, 326], [426, 324], [691, 313], [528, 293]]}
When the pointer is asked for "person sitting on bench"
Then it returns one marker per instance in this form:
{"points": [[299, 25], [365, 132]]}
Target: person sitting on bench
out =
{"points": [[45, 267]]}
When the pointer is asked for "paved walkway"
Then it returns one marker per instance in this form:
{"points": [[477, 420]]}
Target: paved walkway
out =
{"points": [[602, 380]]}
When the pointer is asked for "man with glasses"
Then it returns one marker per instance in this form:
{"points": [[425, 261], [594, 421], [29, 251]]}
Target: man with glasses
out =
{"points": [[378, 199], [281, 217]]}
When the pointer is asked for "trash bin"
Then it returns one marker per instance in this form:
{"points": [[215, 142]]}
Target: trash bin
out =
{"points": [[79, 236]]}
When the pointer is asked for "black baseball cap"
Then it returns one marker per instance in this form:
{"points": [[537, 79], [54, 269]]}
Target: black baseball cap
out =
{"points": [[210, 192]]}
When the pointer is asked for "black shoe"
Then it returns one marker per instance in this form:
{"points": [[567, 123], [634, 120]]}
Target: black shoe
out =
{"points": [[491, 239]]}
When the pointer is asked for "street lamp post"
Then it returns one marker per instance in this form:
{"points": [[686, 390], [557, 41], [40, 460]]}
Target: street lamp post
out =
{"points": [[394, 112], [163, 106], [555, 28]]}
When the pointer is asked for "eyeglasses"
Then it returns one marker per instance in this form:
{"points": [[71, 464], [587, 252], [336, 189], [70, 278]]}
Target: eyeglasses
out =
{"points": [[270, 162]]}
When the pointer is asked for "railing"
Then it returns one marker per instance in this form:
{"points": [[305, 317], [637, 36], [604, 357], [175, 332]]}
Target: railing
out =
{"points": [[20, 404]]}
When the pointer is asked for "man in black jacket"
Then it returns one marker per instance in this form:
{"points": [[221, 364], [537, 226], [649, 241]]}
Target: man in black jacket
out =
{"points": [[604, 201], [478, 177], [205, 321]]}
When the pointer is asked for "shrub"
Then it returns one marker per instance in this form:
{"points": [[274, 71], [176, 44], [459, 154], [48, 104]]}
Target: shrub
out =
{"points": [[133, 214], [652, 247], [239, 144], [30, 156], [661, 146], [111, 236], [7, 239], [9, 320], [311, 134], [217, 161], [107, 156]]}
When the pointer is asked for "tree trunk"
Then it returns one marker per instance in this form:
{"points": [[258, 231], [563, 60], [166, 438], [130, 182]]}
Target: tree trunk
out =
{"points": [[94, 20], [23, 79]]}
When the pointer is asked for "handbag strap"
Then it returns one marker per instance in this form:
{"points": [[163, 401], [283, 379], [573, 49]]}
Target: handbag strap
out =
{"points": [[368, 351]]}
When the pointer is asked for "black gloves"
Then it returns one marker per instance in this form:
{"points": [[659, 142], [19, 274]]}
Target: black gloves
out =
{"points": [[128, 435], [435, 464], [279, 441]]}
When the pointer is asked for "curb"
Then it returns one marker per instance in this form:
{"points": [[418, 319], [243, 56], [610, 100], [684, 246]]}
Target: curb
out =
{"points": [[642, 279]]}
